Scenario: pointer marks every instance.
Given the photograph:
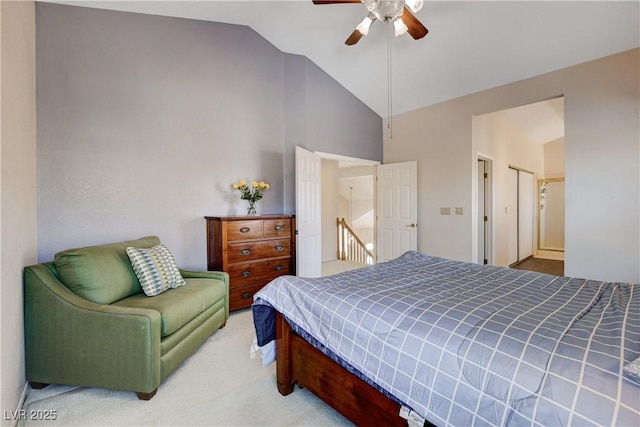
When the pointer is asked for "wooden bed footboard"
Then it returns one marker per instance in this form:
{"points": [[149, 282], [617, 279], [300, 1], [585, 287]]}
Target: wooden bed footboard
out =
{"points": [[298, 362]]}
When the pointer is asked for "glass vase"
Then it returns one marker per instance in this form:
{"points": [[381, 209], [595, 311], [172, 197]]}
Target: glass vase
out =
{"points": [[251, 211]]}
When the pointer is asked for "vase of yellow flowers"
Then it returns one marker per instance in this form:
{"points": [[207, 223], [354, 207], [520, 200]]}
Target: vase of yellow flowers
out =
{"points": [[251, 193]]}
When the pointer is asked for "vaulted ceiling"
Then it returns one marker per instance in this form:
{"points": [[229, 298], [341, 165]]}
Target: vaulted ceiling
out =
{"points": [[471, 45]]}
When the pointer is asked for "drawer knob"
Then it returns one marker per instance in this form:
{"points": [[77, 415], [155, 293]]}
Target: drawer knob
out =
{"points": [[279, 248], [246, 273], [279, 267], [245, 230], [246, 295], [279, 227], [245, 252]]}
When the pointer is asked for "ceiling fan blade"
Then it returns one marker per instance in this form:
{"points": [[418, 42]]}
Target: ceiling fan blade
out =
{"points": [[335, 1], [353, 38], [414, 27]]}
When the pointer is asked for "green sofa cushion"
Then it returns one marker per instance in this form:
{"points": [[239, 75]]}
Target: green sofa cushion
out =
{"points": [[178, 306], [101, 274]]}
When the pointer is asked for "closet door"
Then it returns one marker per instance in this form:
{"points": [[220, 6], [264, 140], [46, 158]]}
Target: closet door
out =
{"points": [[512, 215], [525, 214], [520, 216]]}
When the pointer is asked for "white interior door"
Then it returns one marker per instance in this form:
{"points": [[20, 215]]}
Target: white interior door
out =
{"points": [[308, 214], [520, 215], [511, 209], [482, 256], [525, 214], [397, 209]]}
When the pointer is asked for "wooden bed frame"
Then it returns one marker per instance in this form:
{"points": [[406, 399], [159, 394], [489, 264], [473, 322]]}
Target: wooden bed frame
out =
{"points": [[298, 362]]}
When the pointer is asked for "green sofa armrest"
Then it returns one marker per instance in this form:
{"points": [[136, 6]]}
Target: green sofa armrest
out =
{"points": [[220, 275], [70, 340]]}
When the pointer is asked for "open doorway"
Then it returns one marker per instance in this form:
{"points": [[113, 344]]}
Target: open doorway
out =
{"points": [[528, 138], [348, 195], [551, 218], [348, 214], [484, 209], [551, 204], [394, 190]]}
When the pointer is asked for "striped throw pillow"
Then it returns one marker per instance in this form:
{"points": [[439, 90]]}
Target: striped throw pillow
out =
{"points": [[155, 268]]}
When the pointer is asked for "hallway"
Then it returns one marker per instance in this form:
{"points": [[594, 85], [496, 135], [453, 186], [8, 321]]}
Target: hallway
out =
{"points": [[548, 266]]}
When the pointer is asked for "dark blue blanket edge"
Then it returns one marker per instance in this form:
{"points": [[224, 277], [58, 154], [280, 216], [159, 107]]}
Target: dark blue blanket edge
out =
{"points": [[264, 321]]}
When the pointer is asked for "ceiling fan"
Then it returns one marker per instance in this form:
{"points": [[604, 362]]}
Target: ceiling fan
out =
{"points": [[397, 11]]}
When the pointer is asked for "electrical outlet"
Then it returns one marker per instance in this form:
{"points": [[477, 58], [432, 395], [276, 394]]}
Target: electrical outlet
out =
{"points": [[445, 211], [459, 211]]}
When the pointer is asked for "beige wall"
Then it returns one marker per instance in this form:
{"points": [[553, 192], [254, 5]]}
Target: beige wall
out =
{"points": [[554, 159], [330, 204], [602, 163], [18, 184]]}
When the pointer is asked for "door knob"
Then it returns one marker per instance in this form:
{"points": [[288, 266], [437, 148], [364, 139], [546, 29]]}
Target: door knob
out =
{"points": [[412, 225]]}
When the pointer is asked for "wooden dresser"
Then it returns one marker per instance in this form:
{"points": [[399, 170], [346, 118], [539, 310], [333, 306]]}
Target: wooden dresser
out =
{"points": [[252, 249]]}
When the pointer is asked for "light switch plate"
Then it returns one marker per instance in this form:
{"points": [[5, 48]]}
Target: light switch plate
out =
{"points": [[459, 211], [445, 211]]}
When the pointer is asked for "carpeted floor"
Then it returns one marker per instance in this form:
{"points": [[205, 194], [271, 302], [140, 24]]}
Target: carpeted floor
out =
{"points": [[220, 385]]}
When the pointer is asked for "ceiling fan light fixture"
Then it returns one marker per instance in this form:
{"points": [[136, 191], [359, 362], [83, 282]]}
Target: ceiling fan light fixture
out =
{"points": [[415, 5], [371, 5], [389, 10], [399, 27], [400, 12], [364, 26]]}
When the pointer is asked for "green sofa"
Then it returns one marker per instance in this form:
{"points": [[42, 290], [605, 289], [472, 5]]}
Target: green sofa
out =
{"points": [[88, 323]]}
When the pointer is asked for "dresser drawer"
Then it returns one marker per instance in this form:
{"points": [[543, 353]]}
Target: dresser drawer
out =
{"points": [[249, 251], [242, 296], [244, 230], [253, 249], [259, 271], [276, 228]]}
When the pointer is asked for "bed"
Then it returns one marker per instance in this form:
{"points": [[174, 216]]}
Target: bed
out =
{"points": [[422, 339]]}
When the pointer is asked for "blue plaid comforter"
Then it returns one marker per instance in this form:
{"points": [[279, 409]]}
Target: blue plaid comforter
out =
{"points": [[464, 344]]}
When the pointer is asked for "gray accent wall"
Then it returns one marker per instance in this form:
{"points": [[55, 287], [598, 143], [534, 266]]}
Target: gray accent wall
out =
{"points": [[144, 122]]}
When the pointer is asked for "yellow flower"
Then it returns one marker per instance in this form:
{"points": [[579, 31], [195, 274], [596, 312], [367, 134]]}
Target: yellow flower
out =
{"points": [[251, 193]]}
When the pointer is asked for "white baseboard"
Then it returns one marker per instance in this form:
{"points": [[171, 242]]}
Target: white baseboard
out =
{"points": [[14, 420]]}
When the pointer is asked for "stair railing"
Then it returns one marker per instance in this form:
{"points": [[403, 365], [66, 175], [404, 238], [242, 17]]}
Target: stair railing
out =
{"points": [[350, 246]]}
